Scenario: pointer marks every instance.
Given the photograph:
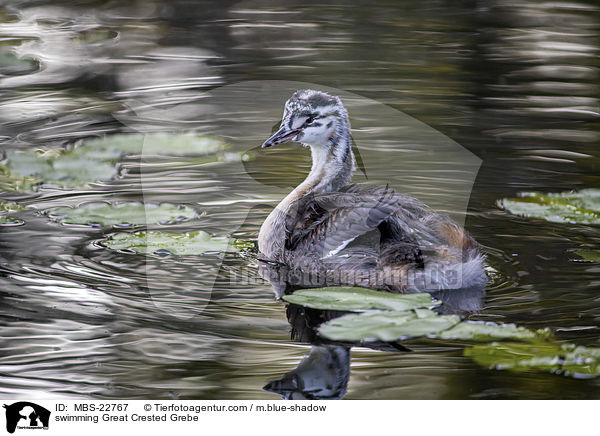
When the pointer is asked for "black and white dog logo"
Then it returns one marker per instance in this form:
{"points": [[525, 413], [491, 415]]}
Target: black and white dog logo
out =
{"points": [[26, 415]]}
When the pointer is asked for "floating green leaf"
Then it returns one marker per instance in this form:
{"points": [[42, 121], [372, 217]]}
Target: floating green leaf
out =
{"points": [[162, 242], [131, 213], [564, 359], [386, 326], [353, 299], [566, 207], [588, 255], [486, 331]]}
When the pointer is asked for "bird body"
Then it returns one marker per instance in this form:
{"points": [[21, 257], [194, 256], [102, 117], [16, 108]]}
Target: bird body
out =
{"points": [[345, 234]]}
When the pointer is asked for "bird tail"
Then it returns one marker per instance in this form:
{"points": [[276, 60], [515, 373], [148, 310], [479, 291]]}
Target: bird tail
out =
{"points": [[443, 273]]}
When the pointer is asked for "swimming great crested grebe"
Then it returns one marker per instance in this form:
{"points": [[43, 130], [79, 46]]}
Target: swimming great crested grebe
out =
{"points": [[341, 234]]}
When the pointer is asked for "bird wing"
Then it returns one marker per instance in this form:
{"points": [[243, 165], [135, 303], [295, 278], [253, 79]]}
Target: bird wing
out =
{"points": [[323, 224]]}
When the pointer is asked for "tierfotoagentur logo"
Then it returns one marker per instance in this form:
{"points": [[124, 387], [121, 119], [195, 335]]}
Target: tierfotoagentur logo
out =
{"points": [[24, 415]]}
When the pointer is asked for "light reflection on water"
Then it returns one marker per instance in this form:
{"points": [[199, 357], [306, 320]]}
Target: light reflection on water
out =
{"points": [[516, 83]]}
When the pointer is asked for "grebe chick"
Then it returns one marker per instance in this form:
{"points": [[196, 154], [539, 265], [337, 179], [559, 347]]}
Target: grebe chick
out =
{"points": [[344, 235]]}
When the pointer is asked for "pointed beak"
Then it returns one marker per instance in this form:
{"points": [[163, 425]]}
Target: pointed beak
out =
{"points": [[281, 136], [286, 384]]}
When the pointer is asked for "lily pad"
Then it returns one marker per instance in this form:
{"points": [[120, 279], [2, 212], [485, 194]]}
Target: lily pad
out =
{"points": [[25, 168], [16, 183], [566, 359], [11, 64], [588, 255], [122, 214], [356, 299], [566, 207], [162, 242], [487, 331], [151, 144], [8, 208], [7, 221], [386, 326], [95, 159]]}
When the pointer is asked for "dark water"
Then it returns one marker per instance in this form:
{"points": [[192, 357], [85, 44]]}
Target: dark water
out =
{"points": [[515, 83]]}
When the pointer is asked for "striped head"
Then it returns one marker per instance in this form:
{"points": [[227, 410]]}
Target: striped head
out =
{"points": [[313, 118]]}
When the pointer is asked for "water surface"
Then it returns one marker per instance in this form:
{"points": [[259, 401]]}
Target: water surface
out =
{"points": [[515, 83]]}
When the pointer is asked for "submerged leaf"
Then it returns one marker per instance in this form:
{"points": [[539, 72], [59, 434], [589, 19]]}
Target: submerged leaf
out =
{"points": [[564, 359], [131, 213], [95, 159], [485, 331], [7, 207], [57, 168], [566, 207], [353, 299], [11, 64], [386, 326], [243, 245], [15, 182], [151, 144], [10, 207], [8, 221], [179, 244]]}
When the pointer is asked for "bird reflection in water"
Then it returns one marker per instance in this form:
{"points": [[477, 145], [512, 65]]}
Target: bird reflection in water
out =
{"points": [[324, 373]]}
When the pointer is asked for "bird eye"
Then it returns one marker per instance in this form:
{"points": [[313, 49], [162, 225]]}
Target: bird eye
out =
{"points": [[309, 120]]}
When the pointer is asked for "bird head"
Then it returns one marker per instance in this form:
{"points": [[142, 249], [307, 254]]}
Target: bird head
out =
{"points": [[311, 117]]}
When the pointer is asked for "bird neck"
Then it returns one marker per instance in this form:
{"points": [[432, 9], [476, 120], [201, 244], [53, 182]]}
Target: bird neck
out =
{"points": [[332, 167]]}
